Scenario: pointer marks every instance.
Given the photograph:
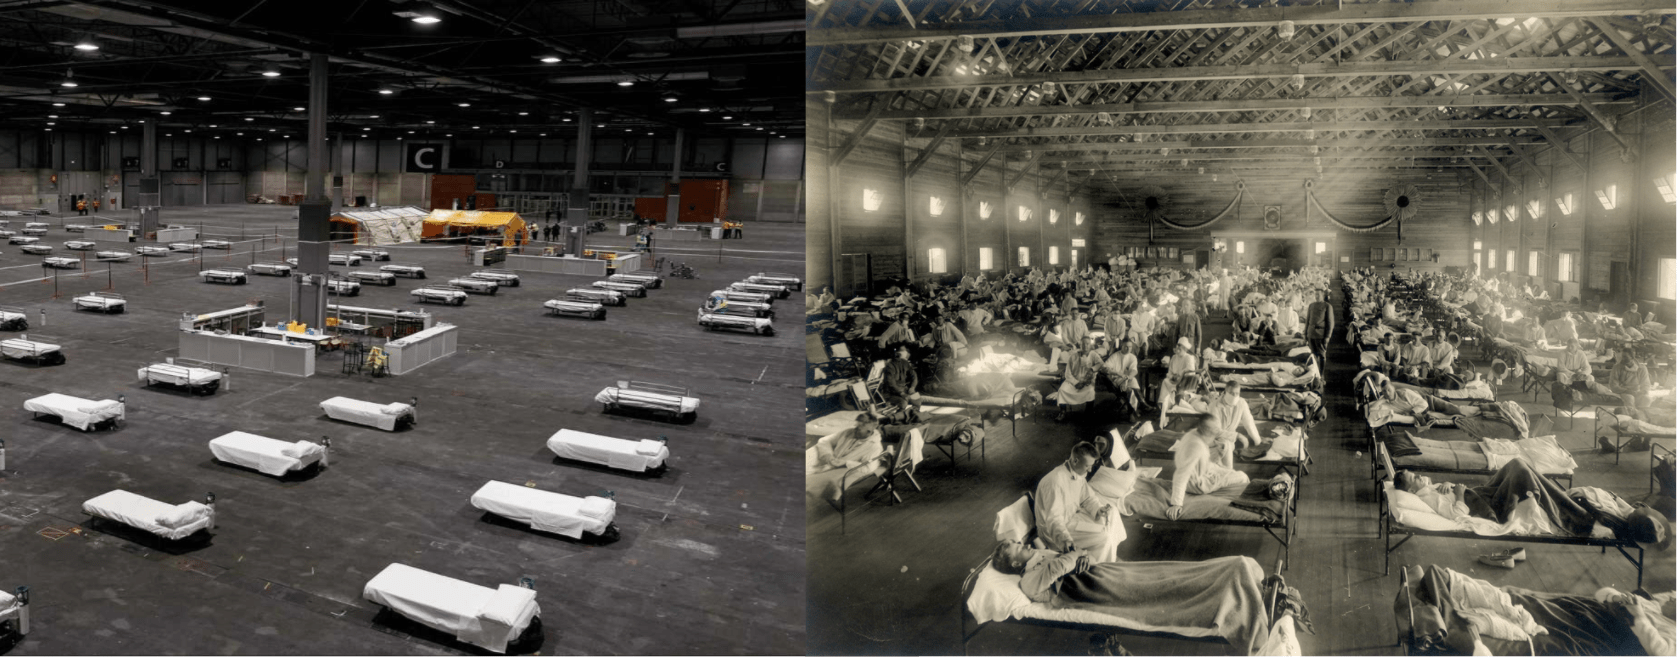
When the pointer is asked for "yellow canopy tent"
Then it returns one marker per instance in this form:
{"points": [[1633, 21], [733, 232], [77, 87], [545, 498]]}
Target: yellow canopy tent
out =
{"points": [[509, 224]]}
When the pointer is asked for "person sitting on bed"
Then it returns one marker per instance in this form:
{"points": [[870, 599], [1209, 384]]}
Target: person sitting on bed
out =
{"points": [[1222, 594], [1561, 330], [1443, 353], [1122, 369], [1573, 364], [846, 458], [1070, 515], [1414, 359], [1204, 463], [1231, 411], [1630, 379]]}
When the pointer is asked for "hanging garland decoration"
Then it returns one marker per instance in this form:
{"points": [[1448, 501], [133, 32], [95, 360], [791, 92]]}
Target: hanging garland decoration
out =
{"points": [[1313, 204], [1233, 209]]}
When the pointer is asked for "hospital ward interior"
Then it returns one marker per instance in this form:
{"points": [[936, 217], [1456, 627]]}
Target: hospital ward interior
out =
{"points": [[400, 328], [1295, 328]]}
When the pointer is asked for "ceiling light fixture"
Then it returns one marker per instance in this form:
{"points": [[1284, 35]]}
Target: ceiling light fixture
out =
{"points": [[58, 105], [551, 59], [625, 83], [249, 119], [270, 74], [204, 98], [523, 114], [86, 46], [429, 121], [728, 118], [299, 109], [165, 113], [704, 109], [52, 116], [425, 16], [464, 104], [669, 99], [386, 92], [69, 79]]}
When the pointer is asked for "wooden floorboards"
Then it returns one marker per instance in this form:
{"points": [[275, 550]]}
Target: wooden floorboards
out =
{"points": [[891, 584]]}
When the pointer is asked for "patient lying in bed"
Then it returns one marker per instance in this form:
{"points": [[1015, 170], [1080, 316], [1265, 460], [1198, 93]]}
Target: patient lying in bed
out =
{"points": [[1517, 500], [1220, 593], [1455, 614], [1296, 376]]}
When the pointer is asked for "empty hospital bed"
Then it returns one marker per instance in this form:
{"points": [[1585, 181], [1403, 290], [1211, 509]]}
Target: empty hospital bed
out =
{"points": [[507, 279], [502, 620], [475, 285], [776, 279], [171, 522], [36, 249], [269, 456], [576, 308], [195, 380], [643, 456], [61, 263], [13, 319], [80, 413], [651, 281], [31, 351], [407, 271], [372, 254], [547, 511], [629, 289], [270, 269], [228, 276], [388, 417], [676, 401], [103, 302], [746, 320]]}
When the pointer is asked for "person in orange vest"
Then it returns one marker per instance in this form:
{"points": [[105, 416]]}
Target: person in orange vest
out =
{"points": [[95, 206], [81, 206]]}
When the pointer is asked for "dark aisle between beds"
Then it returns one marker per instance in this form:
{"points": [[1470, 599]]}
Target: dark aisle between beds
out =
{"points": [[892, 583]]}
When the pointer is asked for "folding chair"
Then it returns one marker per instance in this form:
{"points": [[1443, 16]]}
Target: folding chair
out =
{"points": [[865, 401], [1560, 395], [901, 465]]}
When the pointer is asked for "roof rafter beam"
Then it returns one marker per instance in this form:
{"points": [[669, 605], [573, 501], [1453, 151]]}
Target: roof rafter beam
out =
{"points": [[1650, 71], [926, 155], [1298, 126], [1252, 105], [1424, 142], [1227, 17], [1504, 65]]}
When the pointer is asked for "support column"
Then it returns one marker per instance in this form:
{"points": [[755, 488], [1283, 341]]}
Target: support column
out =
{"points": [[338, 172], [150, 196], [577, 215], [314, 213], [672, 202]]}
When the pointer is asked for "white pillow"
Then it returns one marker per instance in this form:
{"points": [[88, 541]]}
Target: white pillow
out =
{"points": [[394, 409], [1015, 521], [180, 515], [649, 448], [598, 508], [996, 596], [1410, 510], [507, 604]]}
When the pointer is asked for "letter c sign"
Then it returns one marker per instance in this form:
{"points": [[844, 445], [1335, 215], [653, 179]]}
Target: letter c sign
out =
{"points": [[424, 158]]}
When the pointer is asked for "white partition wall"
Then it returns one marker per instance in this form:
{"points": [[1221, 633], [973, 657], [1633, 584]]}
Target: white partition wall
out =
{"points": [[247, 352], [416, 350]]}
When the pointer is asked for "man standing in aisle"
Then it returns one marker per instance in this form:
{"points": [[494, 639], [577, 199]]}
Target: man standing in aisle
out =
{"points": [[1318, 326]]}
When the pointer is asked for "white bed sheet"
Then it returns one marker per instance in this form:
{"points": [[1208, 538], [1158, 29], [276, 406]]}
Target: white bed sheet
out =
{"points": [[546, 511], [138, 511], [572, 306], [77, 412], [382, 416], [996, 596], [265, 454], [605, 450], [20, 348], [734, 320], [96, 301], [178, 375], [477, 615]]}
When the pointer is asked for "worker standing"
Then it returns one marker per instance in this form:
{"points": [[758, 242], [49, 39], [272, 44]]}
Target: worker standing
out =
{"points": [[95, 206], [81, 206]]}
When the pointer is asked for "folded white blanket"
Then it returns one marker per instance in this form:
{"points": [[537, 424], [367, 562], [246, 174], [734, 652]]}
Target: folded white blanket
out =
{"points": [[649, 447], [182, 514]]}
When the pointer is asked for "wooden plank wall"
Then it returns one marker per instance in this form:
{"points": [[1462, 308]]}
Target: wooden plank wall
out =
{"points": [[879, 162], [1637, 232], [1356, 198]]}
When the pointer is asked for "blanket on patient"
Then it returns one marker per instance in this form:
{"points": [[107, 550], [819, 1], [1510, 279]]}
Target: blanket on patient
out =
{"points": [[1556, 624], [1220, 593]]}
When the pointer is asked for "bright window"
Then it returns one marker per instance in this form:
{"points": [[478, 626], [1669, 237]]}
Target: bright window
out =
{"points": [[984, 209], [1053, 252], [1077, 219], [1239, 247], [937, 261], [1053, 216], [1492, 215], [1668, 278], [1535, 207], [1477, 257], [1024, 256], [1478, 218], [1024, 213], [1563, 268], [1074, 259], [1477, 245], [1668, 188], [937, 205], [1565, 204], [1534, 263], [986, 258], [1321, 247], [1512, 213], [1491, 261], [1609, 197], [871, 200], [1508, 263]]}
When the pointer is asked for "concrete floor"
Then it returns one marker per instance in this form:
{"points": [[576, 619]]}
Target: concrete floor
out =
{"points": [[891, 584], [711, 558]]}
